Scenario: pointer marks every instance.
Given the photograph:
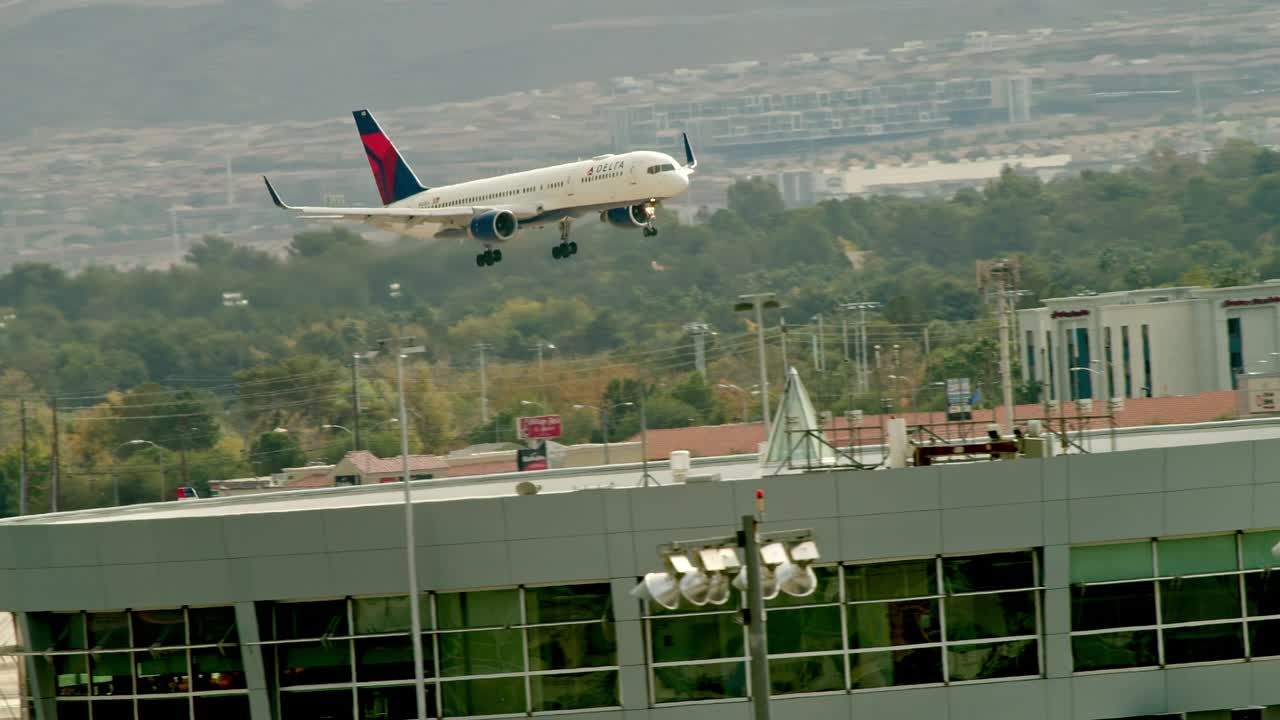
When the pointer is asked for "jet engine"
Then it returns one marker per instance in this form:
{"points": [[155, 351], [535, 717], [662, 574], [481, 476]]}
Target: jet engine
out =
{"points": [[635, 216], [493, 226]]}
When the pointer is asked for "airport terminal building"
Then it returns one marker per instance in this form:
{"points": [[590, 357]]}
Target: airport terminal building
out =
{"points": [[1083, 587]]}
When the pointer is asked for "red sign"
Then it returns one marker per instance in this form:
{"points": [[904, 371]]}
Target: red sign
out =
{"points": [[1068, 314], [538, 428], [1252, 301]]}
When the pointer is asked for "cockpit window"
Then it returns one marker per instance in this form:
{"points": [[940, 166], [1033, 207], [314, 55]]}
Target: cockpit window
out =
{"points": [[665, 167]]}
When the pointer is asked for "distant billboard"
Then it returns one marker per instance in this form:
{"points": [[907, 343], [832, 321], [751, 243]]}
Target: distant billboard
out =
{"points": [[1261, 393], [541, 427], [534, 458], [959, 399]]}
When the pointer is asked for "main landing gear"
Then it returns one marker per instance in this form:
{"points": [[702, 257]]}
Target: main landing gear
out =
{"points": [[564, 250], [651, 213], [650, 231], [489, 258]]}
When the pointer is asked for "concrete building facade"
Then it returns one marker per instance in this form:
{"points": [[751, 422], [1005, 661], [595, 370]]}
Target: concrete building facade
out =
{"points": [[1074, 588], [1151, 343]]}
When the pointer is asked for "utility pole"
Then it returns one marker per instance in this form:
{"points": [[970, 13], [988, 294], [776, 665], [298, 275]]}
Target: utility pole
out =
{"points": [[862, 308], [23, 490], [999, 277], [821, 359], [484, 384], [53, 470], [757, 634], [786, 360], [355, 401], [699, 331], [844, 331], [758, 302]]}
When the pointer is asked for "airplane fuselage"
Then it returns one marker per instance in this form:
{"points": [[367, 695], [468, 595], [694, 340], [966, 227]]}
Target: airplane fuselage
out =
{"points": [[547, 195]]}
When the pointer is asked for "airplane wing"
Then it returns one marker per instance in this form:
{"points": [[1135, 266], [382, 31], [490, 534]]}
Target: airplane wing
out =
{"points": [[452, 217]]}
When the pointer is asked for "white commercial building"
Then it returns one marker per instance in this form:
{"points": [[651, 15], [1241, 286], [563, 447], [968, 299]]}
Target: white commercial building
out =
{"points": [[1151, 343]]}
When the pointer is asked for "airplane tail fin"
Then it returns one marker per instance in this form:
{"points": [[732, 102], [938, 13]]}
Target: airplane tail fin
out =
{"points": [[395, 179]]}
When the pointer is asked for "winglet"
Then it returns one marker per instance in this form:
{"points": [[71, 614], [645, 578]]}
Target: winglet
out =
{"points": [[691, 161], [275, 197]]}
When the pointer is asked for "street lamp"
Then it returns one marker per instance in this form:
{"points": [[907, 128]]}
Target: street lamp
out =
{"points": [[115, 479], [763, 566], [531, 403], [745, 396], [604, 422], [340, 427], [402, 350], [539, 347], [759, 302]]}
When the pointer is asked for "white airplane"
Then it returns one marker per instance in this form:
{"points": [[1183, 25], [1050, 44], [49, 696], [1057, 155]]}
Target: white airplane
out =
{"points": [[624, 189]]}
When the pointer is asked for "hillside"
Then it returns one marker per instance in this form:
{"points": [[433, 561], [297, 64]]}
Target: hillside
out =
{"points": [[81, 63]]}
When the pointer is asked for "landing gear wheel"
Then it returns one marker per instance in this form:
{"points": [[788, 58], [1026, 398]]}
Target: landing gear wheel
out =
{"points": [[497, 256], [480, 260], [555, 252], [650, 232], [573, 248]]}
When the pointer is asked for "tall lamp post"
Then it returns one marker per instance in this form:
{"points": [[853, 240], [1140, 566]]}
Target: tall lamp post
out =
{"points": [[745, 397], [604, 422], [759, 302], [115, 479], [762, 565], [402, 350]]}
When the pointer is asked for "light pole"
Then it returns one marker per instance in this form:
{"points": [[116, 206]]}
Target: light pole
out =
{"points": [[699, 570], [861, 338], [759, 302], [604, 422], [401, 351], [115, 479], [531, 403], [340, 427], [236, 300], [542, 381], [916, 396]]}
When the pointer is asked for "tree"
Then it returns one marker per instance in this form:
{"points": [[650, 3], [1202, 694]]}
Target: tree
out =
{"points": [[274, 451], [756, 201]]}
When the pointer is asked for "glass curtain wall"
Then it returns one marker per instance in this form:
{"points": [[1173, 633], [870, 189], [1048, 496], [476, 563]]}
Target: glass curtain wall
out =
{"points": [[166, 663], [1173, 602], [494, 652], [931, 621]]}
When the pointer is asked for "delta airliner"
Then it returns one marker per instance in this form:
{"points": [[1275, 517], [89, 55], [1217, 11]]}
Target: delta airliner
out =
{"points": [[624, 189]]}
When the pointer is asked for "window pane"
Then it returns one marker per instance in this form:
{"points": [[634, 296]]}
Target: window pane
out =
{"points": [[804, 630], [484, 652], [1103, 563], [65, 631], [223, 707], [885, 581], [1193, 599], [112, 673], [1097, 607], [163, 709], [699, 682], [109, 631], [313, 620], [1264, 638], [314, 663], [73, 710], [828, 591], [1196, 555], [1262, 591], [218, 670], [568, 647], [211, 626], [566, 603], [789, 676], [320, 705], [391, 658], [909, 622], [159, 628], [161, 672], [1205, 643], [72, 673], [980, 573], [375, 616], [493, 608], [573, 691], [976, 617], [917, 666], [114, 710], [993, 660], [1113, 651], [394, 702], [1257, 550], [700, 637], [491, 696]]}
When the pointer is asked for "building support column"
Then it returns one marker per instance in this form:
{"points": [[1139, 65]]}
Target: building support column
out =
{"points": [[255, 673], [40, 683]]}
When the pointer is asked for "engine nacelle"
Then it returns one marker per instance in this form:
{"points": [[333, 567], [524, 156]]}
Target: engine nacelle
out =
{"points": [[627, 217], [493, 226]]}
